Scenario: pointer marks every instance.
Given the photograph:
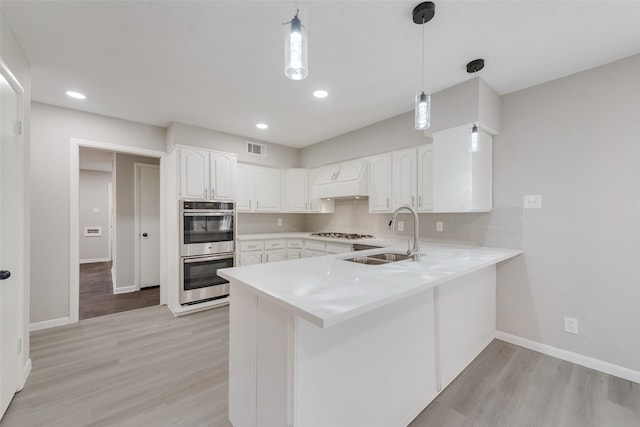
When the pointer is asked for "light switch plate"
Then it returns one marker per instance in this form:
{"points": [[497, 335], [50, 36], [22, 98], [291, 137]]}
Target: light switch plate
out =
{"points": [[95, 210], [533, 201]]}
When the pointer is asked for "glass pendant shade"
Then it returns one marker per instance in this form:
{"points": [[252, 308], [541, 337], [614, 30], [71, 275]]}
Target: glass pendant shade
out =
{"points": [[473, 139], [423, 111], [295, 50]]}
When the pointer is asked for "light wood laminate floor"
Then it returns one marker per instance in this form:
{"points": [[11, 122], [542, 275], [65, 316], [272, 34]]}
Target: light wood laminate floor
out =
{"points": [[146, 368]]}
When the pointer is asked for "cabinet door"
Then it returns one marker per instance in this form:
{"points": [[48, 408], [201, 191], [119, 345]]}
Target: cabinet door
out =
{"points": [[244, 188], [250, 258], [405, 178], [294, 253], [318, 205], [297, 190], [307, 253], [267, 183], [194, 174], [274, 255], [223, 176], [425, 178], [380, 183]]}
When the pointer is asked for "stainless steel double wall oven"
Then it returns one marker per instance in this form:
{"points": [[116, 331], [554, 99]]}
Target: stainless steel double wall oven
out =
{"points": [[207, 244]]}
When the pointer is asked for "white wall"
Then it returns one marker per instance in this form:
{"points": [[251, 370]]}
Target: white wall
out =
{"points": [[14, 59], [93, 195], [52, 128], [125, 216], [249, 223], [574, 141], [278, 156]]}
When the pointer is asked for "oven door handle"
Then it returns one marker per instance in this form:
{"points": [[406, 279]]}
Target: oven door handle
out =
{"points": [[208, 214], [191, 260]]}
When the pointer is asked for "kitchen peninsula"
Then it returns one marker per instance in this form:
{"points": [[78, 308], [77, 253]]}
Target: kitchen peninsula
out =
{"points": [[327, 342]]}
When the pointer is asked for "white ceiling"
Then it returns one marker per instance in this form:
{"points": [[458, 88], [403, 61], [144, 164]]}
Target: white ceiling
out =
{"points": [[219, 64]]}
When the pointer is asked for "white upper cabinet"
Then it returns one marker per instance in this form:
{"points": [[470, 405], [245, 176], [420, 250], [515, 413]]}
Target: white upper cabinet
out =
{"points": [[206, 174], [380, 183], [258, 189], [194, 174], [405, 178], [462, 178], [425, 178], [297, 190], [298, 193], [223, 176]]}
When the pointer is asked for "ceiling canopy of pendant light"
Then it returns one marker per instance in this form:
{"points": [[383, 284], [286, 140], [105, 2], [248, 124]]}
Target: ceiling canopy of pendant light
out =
{"points": [[422, 14], [475, 65]]}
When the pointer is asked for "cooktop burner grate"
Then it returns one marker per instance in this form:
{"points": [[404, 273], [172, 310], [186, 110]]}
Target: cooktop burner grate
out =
{"points": [[342, 235]]}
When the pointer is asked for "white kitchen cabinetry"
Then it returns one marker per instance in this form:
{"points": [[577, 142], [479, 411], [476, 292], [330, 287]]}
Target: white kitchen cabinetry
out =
{"points": [[274, 250], [461, 178], [297, 190], [405, 178], [294, 248], [258, 189], [380, 183], [251, 257], [207, 175], [425, 178], [223, 172]]}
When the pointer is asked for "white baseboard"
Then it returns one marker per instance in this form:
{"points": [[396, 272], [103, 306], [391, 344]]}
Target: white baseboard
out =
{"points": [[569, 356], [89, 261], [46, 324], [26, 370], [125, 289]]}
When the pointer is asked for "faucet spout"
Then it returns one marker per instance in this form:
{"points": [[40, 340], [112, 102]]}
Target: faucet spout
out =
{"points": [[415, 251]]}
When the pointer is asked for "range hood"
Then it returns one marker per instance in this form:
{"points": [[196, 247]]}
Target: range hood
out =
{"points": [[342, 180]]}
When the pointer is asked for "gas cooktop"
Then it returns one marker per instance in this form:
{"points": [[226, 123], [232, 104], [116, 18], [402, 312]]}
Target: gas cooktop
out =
{"points": [[342, 235]]}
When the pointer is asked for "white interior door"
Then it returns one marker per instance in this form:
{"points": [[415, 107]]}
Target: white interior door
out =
{"points": [[11, 242], [148, 220]]}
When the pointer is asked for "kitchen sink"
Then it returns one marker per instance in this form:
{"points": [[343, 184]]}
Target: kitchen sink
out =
{"points": [[378, 259]]}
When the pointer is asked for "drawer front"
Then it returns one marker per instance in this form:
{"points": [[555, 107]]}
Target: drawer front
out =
{"points": [[274, 244], [252, 245], [295, 243], [338, 248], [314, 245]]}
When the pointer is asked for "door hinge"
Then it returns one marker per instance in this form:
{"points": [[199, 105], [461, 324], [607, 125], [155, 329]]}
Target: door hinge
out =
{"points": [[19, 345], [19, 127]]}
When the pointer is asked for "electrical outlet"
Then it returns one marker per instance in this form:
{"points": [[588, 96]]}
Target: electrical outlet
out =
{"points": [[439, 226], [279, 222], [532, 201], [570, 325], [400, 225]]}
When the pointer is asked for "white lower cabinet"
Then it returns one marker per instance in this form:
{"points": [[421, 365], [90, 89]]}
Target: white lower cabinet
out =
{"points": [[251, 257], [274, 255], [274, 250]]}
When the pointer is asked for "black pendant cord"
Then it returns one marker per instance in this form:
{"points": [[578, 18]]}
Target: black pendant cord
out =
{"points": [[423, 21]]}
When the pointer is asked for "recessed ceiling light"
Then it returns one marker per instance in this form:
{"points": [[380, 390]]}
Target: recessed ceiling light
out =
{"points": [[76, 95], [262, 126], [320, 93]]}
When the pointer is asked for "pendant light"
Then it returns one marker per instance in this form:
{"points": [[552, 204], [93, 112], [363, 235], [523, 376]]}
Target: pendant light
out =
{"points": [[472, 68], [422, 14], [473, 139], [295, 49]]}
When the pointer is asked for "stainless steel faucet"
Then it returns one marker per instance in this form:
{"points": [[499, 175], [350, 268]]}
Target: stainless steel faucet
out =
{"points": [[415, 252]]}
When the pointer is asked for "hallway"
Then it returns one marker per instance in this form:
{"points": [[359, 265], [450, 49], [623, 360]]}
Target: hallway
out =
{"points": [[96, 293]]}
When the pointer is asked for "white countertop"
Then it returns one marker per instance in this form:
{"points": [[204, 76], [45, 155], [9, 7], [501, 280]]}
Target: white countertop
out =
{"points": [[328, 290]]}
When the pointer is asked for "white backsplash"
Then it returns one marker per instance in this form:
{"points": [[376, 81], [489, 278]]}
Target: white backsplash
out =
{"points": [[501, 227]]}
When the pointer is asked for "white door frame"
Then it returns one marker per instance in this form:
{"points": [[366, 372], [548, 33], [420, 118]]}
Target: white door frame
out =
{"points": [[136, 215], [23, 365], [74, 220]]}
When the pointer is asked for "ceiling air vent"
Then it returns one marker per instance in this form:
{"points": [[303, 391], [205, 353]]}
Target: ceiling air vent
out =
{"points": [[256, 149]]}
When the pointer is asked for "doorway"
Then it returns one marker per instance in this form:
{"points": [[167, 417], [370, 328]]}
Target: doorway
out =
{"points": [[108, 279]]}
